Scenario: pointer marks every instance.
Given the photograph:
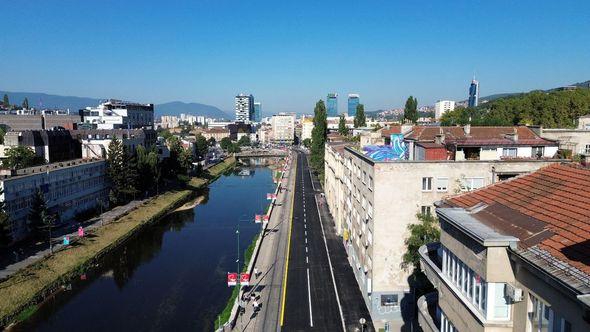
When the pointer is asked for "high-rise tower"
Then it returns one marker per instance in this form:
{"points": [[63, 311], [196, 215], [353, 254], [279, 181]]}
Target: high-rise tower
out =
{"points": [[353, 102], [332, 104], [473, 94]]}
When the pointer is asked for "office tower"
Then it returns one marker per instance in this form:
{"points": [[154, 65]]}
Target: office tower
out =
{"points": [[332, 104], [257, 112], [473, 94], [443, 106], [353, 102], [244, 108]]}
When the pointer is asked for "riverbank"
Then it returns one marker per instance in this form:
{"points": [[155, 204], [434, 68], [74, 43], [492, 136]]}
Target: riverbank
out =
{"points": [[25, 289]]}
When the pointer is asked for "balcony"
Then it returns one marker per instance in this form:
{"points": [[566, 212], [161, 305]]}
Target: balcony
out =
{"points": [[427, 319], [430, 263]]}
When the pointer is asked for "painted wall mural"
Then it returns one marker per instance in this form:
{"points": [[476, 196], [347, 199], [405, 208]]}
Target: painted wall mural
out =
{"points": [[398, 150]]}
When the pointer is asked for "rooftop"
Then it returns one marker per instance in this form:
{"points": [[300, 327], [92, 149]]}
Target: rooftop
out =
{"points": [[548, 211], [478, 136]]}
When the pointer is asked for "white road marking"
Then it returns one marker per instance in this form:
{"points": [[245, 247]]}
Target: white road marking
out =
{"points": [[305, 240], [309, 297], [304, 225], [305, 249], [305, 233], [306, 259]]}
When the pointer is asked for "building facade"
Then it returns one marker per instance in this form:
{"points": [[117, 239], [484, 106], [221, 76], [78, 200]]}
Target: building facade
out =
{"points": [[244, 107], [513, 256], [95, 142], [257, 112], [118, 114], [332, 104], [353, 102], [374, 201], [69, 187], [473, 100], [443, 106], [51, 145], [283, 128]]}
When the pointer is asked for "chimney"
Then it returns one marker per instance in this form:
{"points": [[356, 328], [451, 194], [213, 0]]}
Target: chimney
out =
{"points": [[467, 129], [440, 138], [513, 136]]}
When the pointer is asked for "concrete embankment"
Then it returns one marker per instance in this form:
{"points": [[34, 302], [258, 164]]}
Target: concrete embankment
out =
{"points": [[24, 290]]}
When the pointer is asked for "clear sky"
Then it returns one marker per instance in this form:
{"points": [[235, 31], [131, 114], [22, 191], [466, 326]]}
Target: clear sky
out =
{"points": [[289, 54]]}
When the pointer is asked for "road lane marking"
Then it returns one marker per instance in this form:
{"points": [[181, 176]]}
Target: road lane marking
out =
{"points": [[306, 250], [305, 240], [284, 295], [309, 297], [306, 259], [305, 233]]}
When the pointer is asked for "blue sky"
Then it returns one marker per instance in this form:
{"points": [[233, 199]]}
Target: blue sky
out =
{"points": [[289, 54]]}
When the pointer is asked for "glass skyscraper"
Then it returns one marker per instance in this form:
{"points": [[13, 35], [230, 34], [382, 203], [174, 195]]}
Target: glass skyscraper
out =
{"points": [[353, 102], [257, 112], [473, 94], [332, 104]]}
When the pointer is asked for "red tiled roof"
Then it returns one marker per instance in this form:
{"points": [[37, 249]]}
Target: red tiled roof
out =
{"points": [[557, 195], [392, 130], [479, 135]]}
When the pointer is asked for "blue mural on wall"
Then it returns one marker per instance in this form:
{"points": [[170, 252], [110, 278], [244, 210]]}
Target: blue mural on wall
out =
{"points": [[398, 150]]}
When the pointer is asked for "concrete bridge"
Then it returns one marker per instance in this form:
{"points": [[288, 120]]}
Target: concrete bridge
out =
{"points": [[261, 153]]}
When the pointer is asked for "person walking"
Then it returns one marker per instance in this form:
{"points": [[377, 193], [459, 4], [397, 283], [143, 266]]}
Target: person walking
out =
{"points": [[255, 272]]}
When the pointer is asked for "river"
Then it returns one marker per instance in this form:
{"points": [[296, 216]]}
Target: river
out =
{"points": [[172, 276]]}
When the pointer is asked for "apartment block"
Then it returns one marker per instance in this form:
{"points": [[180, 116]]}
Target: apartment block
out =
{"points": [[117, 114], [69, 187], [513, 256], [283, 128]]}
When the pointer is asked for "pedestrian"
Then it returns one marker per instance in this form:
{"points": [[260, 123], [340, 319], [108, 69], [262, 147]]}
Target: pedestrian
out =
{"points": [[255, 305], [255, 273], [252, 296]]}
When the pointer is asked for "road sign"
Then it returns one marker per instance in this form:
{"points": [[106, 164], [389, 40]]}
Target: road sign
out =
{"points": [[245, 279], [232, 279]]}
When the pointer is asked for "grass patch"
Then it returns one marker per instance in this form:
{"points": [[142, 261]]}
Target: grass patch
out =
{"points": [[223, 317], [25, 314], [26, 285], [212, 173]]}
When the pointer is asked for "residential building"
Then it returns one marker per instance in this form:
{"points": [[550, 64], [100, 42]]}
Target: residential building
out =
{"points": [[95, 142], [513, 256], [283, 128], [216, 133], [441, 107], [257, 112], [70, 187], [244, 107], [238, 129], [473, 100], [117, 114], [478, 143], [39, 121], [574, 140], [265, 134], [169, 121], [332, 104], [306, 128], [51, 145], [353, 102], [374, 198]]}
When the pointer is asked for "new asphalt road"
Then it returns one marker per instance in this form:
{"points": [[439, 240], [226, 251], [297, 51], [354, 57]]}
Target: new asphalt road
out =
{"points": [[311, 299]]}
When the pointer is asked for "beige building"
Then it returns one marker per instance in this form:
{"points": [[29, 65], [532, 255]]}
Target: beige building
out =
{"points": [[575, 140], [306, 128], [374, 201], [513, 256], [283, 128], [217, 133]]}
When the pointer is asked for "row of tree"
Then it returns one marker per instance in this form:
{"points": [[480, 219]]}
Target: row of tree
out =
{"points": [[555, 109], [7, 105]]}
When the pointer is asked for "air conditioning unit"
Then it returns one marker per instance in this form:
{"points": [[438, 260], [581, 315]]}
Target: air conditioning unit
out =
{"points": [[513, 293]]}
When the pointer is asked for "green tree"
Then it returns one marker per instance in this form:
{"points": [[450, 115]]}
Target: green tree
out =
{"points": [[116, 167], [5, 231], [411, 109], [148, 169], [225, 143], [131, 178], [2, 133], [424, 232], [319, 135], [307, 143], [26, 103], [201, 147], [211, 141], [234, 148], [360, 119], [244, 140], [180, 159], [20, 156], [342, 128], [37, 213], [6, 101]]}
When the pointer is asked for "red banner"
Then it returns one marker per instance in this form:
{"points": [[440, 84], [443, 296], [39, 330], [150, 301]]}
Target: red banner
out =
{"points": [[232, 279], [258, 219], [265, 218], [245, 279]]}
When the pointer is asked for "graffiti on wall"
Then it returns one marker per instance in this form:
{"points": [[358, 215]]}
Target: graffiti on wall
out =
{"points": [[397, 150]]}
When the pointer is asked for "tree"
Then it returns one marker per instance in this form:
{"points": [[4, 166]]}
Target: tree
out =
{"points": [[424, 232], [244, 140], [6, 101], [148, 169], [225, 143], [411, 110], [116, 168], [360, 120], [234, 148], [37, 212], [342, 128], [201, 147], [26, 103], [5, 231], [307, 142], [131, 178], [20, 156], [319, 135], [211, 141], [2, 133]]}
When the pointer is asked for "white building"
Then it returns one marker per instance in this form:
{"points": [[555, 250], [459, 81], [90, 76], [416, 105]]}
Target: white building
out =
{"points": [[95, 142], [306, 128], [116, 114], [373, 202], [69, 188], [283, 128], [244, 107], [443, 106]]}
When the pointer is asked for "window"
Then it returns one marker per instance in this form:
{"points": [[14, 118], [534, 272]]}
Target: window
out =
{"points": [[538, 151], [370, 182], [442, 184], [542, 318], [469, 184], [425, 209], [426, 184], [388, 300], [587, 150], [509, 152]]}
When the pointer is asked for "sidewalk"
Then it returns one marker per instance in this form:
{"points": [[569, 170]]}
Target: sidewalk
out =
{"points": [[32, 252], [270, 264]]}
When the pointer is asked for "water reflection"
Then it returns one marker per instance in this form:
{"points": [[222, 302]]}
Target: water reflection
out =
{"points": [[172, 275]]}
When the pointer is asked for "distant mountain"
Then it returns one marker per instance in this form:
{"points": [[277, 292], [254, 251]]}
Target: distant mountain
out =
{"points": [[177, 107], [585, 84], [43, 100]]}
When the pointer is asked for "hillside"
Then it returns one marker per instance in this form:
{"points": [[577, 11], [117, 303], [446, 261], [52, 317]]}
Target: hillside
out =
{"points": [[43, 100]]}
